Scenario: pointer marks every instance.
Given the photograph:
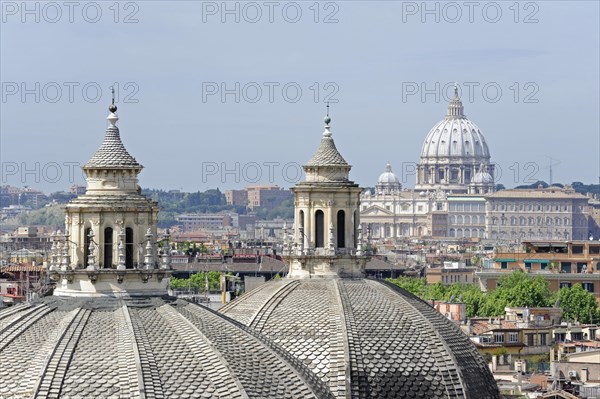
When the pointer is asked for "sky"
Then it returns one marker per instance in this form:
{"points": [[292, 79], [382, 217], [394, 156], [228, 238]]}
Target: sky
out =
{"points": [[227, 94]]}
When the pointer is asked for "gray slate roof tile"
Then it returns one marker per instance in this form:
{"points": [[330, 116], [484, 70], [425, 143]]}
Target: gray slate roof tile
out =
{"points": [[112, 153]]}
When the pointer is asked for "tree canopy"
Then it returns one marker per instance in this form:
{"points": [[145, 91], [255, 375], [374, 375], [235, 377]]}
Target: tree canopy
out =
{"points": [[197, 281], [578, 304], [516, 289]]}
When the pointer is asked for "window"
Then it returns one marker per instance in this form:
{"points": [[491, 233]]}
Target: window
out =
{"points": [[580, 266], [504, 265], [589, 287], [577, 249], [594, 250], [129, 248], [86, 245], [530, 341], [565, 267], [355, 231], [543, 339], [319, 229], [513, 337], [387, 207], [499, 337], [108, 247]]}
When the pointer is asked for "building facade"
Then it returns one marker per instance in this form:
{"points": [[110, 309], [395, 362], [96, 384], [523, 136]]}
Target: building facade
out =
{"points": [[236, 197], [561, 263], [551, 213], [269, 197], [204, 221]]}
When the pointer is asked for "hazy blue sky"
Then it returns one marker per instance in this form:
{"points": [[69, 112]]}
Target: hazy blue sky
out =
{"points": [[174, 59]]}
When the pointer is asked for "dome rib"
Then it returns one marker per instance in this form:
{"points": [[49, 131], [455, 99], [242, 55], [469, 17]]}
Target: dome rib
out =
{"points": [[254, 340], [51, 381], [206, 353]]}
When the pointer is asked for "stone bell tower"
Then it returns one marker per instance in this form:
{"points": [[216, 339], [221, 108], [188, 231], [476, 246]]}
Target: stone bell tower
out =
{"points": [[326, 239], [109, 246]]}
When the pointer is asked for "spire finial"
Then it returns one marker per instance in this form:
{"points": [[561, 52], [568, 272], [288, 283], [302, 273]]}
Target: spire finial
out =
{"points": [[112, 117], [455, 90], [112, 108], [327, 118], [327, 132]]}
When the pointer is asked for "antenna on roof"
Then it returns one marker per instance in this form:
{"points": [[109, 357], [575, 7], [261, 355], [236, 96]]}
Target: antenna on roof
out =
{"points": [[551, 163]]}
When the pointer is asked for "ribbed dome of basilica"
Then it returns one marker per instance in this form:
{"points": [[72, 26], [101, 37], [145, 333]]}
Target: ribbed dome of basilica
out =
{"points": [[452, 154], [455, 136]]}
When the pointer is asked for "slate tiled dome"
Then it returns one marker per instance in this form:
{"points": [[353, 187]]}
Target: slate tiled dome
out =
{"points": [[147, 347], [327, 154], [112, 153], [367, 339]]}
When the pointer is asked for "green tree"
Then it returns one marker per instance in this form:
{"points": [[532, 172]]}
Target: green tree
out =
{"points": [[578, 304], [516, 289], [417, 286], [197, 281]]}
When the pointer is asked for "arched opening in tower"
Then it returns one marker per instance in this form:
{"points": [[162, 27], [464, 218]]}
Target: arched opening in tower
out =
{"points": [[319, 229], [355, 231], [86, 246], [129, 248], [341, 229], [108, 247]]}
